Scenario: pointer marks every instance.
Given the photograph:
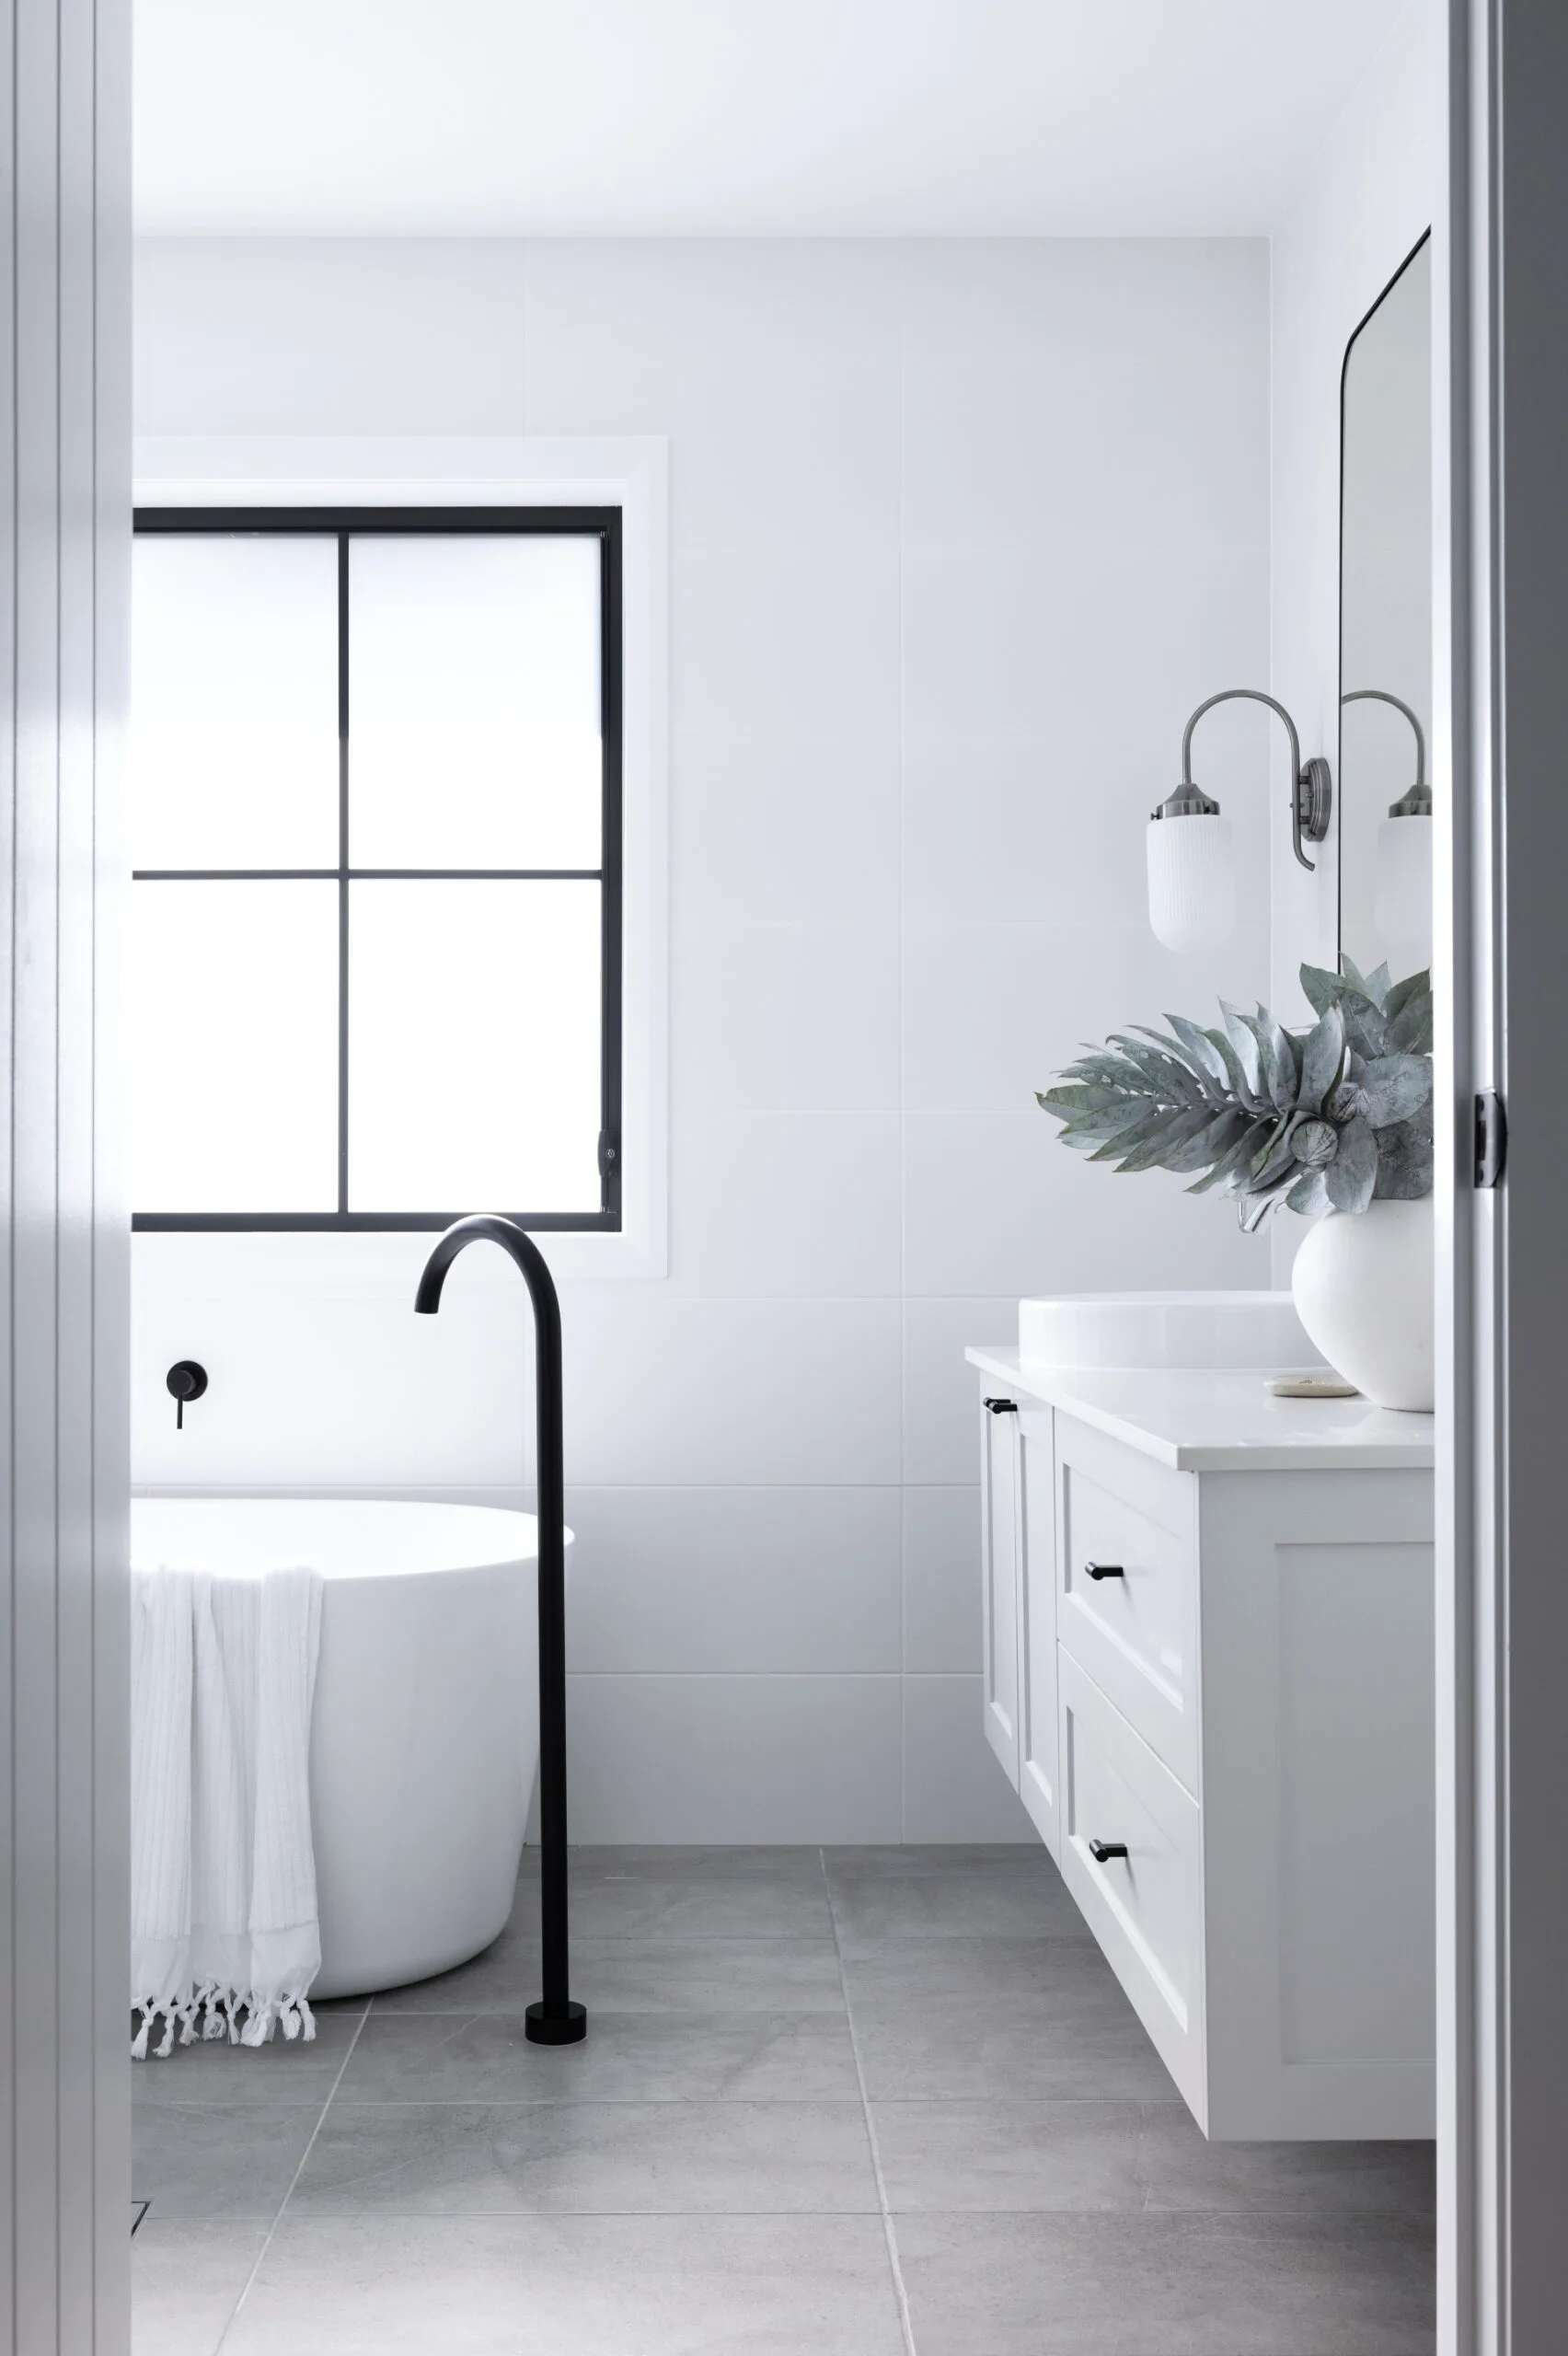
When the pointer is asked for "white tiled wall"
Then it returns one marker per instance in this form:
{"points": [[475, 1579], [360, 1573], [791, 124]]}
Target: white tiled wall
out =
{"points": [[959, 534]]}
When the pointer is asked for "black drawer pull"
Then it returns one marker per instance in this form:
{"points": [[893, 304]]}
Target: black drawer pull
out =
{"points": [[1106, 1570], [1000, 1407], [1103, 1851]]}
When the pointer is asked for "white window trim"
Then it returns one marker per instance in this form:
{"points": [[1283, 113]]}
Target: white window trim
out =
{"points": [[476, 471]]}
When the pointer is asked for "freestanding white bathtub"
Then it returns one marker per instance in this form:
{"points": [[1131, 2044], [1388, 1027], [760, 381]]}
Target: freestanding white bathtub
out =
{"points": [[424, 1746]]}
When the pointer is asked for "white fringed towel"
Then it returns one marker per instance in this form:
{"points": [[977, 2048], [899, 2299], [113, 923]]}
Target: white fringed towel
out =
{"points": [[222, 1871]]}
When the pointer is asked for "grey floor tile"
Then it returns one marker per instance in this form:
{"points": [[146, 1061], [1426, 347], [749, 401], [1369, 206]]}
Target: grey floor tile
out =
{"points": [[595, 2286], [1180, 2168], [213, 2159], [882, 1896], [956, 2020], [186, 2281], [630, 2057], [1000, 2155], [689, 1894], [922, 2056], [978, 1971], [642, 1975], [279, 2073], [1168, 2286], [1003, 2154], [671, 2158]]}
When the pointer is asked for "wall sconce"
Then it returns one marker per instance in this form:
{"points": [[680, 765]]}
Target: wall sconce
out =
{"points": [[1401, 891], [1192, 877]]}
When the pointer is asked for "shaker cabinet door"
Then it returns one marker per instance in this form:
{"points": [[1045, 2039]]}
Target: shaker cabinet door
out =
{"points": [[999, 1564], [1038, 1725]]}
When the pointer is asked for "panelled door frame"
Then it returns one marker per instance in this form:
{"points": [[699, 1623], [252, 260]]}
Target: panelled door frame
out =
{"points": [[1502, 505]]}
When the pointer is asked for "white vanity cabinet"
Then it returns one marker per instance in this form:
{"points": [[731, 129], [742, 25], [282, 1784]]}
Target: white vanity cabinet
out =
{"points": [[1209, 1626]]}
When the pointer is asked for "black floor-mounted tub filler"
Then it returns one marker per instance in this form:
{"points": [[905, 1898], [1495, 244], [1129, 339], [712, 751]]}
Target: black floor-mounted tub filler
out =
{"points": [[555, 2019]]}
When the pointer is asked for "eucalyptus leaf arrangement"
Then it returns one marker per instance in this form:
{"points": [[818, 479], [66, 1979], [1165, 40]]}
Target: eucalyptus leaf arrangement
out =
{"points": [[1326, 1119]]}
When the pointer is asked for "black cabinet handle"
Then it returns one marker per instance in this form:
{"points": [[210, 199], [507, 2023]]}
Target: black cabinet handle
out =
{"points": [[1106, 1570], [1000, 1407], [1103, 1851]]}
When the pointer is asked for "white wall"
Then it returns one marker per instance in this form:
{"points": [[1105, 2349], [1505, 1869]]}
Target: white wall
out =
{"points": [[959, 534]]}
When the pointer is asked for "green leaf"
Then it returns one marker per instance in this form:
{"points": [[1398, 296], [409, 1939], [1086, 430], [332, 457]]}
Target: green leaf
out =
{"points": [[1410, 1032], [1365, 1028], [1201, 1051], [1321, 989], [1405, 1161], [1353, 1173], [1238, 1158], [1244, 1045], [1279, 1161], [1171, 1077], [1377, 986], [1208, 1145], [1149, 1122], [1241, 1088], [1398, 998], [1079, 1096], [1393, 1087], [1177, 1131], [1125, 1121], [1309, 1196], [1276, 1059], [1322, 1060], [1252, 1209]]}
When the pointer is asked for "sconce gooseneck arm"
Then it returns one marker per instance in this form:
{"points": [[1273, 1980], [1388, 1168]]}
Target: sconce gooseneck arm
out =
{"points": [[1417, 803], [1310, 784], [1238, 695]]}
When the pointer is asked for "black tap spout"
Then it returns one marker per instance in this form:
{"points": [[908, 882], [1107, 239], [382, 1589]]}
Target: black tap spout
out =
{"points": [[556, 2019]]}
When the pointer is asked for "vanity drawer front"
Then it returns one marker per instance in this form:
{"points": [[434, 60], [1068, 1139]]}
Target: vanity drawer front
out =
{"points": [[1134, 1627], [1146, 1909]]}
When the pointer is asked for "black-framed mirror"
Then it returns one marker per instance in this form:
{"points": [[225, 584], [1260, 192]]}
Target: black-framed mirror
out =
{"points": [[1384, 778]]}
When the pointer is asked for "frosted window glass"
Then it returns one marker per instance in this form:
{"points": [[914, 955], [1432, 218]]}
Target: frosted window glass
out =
{"points": [[234, 701], [474, 702], [233, 1029], [474, 1046]]}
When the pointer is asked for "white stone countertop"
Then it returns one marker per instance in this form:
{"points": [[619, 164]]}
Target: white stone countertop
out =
{"points": [[1220, 1423]]}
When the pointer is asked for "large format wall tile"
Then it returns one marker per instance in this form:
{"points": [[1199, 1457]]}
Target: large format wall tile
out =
{"points": [[738, 1757], [660, 1389], [954, 1788], [787, 1203], [735, 1579]]}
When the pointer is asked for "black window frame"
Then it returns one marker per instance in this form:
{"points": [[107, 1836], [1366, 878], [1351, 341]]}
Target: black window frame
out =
{"points": [[601, 522]]}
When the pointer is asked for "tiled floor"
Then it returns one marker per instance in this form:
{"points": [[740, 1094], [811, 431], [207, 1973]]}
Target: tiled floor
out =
{"points": [[836, 2103]]}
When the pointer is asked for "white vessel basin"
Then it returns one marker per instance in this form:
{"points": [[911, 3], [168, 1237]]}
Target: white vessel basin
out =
{"points": [[1189, 1330]]}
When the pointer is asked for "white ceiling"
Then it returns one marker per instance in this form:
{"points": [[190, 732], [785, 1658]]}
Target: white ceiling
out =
{"points": [[612, 118]]}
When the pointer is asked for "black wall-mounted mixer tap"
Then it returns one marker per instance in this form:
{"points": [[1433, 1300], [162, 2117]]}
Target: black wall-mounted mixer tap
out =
{"points": [[186, 1382]]}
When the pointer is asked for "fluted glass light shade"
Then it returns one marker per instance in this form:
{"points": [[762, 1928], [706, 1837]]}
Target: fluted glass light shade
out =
{"points": [[1192, 880], [1402, 891]]}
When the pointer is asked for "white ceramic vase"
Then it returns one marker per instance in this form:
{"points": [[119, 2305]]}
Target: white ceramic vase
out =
{"points": [[1363, 1284]]}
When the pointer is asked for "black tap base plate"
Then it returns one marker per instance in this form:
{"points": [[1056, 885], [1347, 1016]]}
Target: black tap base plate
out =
{"points": [[546, 2029]]}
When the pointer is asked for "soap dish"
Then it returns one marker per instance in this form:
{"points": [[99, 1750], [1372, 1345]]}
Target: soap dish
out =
{"points": [[1316, 1382]]}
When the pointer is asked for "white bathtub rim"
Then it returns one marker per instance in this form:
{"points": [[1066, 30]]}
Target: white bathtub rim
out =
{"points": [[471, 1538]]}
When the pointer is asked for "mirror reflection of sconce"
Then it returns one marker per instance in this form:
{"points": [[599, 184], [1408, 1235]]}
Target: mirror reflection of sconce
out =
{"points": [[1403, 886], [1191, 875]]}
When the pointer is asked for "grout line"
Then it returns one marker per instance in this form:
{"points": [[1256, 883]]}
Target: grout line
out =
{"points": [[900, 2293], [267, 2237]]}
